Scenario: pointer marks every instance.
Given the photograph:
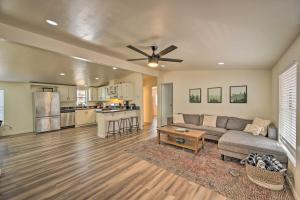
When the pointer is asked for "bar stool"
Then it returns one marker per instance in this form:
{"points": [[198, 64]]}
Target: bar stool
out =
{"points": [[135, 123], [112, 124], [125, 125]]}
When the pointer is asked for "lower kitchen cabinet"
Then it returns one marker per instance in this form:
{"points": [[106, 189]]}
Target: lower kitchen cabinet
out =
{"points": [[85, 117]]}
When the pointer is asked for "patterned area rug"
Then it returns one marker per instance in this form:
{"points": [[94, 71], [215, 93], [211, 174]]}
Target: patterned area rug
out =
{"points": [[207, 169]]}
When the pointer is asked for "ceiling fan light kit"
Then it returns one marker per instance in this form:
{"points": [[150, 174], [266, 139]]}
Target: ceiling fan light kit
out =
{"points": [[155, 58]]}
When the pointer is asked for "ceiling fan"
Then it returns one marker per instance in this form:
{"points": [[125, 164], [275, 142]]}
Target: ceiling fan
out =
{"points": [[155, 57]]}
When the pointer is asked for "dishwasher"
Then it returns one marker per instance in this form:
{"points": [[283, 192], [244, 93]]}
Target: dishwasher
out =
{"points": [[67, 118]]}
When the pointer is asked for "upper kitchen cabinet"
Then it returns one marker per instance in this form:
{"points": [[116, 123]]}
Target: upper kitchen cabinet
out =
{"points": [[125, 91], [67, 93], [93, 94], [102, 94], [120, 91]]}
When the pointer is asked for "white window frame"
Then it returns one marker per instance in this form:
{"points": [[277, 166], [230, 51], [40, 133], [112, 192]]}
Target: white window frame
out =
{"points": [[77, 97], [3, 106], [289, 148]]}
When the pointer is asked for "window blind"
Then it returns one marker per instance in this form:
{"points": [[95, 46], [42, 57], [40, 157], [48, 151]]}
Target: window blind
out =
{"points": [[288, 109], [2, 105]]}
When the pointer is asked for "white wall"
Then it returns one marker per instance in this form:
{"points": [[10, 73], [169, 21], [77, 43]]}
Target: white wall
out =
{"points": [[259, 91], [17, 108], [291, 55]]}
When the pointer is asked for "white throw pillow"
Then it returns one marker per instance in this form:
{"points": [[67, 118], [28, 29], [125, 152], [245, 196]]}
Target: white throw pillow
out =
{"points": [[255, 130], [263, 124], [178, 118], [210, 120]]}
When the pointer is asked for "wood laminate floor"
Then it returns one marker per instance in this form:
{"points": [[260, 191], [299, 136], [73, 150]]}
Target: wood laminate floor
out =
{"points": [[76, 164]]}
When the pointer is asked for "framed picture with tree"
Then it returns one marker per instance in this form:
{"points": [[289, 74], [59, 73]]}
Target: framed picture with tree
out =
{"points": [[214, 95], [238, 94], [195, 95]]}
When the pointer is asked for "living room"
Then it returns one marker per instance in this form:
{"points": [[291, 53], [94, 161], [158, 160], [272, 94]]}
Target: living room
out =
{"points": [[154, 100]]}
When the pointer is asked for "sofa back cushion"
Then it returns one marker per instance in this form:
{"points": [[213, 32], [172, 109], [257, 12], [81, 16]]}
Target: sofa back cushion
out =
{"points": [[222, 121], [191, 119], [238, 124]]}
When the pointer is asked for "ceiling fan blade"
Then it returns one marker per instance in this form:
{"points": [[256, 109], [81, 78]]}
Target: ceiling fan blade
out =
{"points": [[170, 60], [137, 59], [137, 50], [167, 50]]}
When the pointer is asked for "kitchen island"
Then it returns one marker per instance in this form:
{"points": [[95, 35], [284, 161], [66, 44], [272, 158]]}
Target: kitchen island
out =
{"points": [[102, 118]]}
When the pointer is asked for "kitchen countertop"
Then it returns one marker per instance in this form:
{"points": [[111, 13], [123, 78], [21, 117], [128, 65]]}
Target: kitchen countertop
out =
{"points": [[113, 111]]}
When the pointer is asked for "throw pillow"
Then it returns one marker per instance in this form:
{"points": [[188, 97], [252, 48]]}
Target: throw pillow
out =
{"points": [[210, 120], [178, 119], [263, 124], [255, 130]]}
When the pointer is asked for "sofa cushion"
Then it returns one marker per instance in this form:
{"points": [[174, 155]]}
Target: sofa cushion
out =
{"points": [[245, 143], [210, 120], [238, 124], [191, 119], [212, 130], [178, 118], [272, 132], [201, 119], [222, 121], [209, 130]]}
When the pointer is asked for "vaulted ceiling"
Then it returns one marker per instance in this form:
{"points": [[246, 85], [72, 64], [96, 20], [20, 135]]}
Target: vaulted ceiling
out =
{"points": [[243, 34]]}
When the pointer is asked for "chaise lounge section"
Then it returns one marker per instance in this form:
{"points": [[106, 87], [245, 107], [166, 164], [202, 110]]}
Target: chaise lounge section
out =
{"points": [[232, 140]]}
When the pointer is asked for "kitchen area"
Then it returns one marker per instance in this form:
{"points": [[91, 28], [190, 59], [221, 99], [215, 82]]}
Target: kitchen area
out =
{"points": [[66, 106]]}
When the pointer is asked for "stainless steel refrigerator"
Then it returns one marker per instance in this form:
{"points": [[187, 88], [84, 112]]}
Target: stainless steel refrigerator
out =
{"points": [[46, 111]]}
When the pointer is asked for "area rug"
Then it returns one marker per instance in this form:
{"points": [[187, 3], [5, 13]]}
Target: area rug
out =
{"points": [[207, 169]]}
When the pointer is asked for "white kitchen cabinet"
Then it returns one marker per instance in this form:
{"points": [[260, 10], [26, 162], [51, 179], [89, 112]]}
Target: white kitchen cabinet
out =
{"points": [[67, 93], [85, 117], [101, 94], [93, 94], [72, 93], [126, 91]]}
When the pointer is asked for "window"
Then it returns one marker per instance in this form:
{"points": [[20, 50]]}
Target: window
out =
{"points": [[2, 105], [81, 97], [288, 110]]}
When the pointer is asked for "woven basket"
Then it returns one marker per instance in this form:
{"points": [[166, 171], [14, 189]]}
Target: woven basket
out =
{"points": [[264, 178]]}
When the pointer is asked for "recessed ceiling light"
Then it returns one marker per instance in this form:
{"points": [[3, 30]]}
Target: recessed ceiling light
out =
{"points": [[97, 78], [53, 23], [62, 74], [162, 65], [114, 68], [221, 63]]}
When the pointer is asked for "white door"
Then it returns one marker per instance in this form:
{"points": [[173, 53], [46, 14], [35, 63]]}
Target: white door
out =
{"points": [[166, 102]]}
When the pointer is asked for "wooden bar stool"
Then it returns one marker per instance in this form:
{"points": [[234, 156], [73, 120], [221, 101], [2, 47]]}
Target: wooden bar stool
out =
{"points": [[125, 125], [135, 123], [112, 127]]}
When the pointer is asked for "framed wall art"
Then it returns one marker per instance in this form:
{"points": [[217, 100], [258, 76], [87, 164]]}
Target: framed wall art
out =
{"points": [[238, 94]]}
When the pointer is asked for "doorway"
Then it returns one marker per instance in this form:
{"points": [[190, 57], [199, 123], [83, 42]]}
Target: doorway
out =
{"points": [[149, 99], [166, 102]]}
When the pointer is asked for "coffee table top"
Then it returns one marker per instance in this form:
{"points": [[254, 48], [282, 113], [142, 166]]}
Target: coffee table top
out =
{"points": [[190, 133]]}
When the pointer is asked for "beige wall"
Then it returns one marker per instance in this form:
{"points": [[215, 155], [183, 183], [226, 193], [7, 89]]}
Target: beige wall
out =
{"points": [[291, 55], [148, 83], [17, 107], [259, 91]]}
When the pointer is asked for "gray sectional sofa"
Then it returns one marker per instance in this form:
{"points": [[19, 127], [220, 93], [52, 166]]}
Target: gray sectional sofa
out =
{"points": [[232, 140]]}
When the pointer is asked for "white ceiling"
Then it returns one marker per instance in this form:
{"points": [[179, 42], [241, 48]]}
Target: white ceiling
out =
{"points": [[241, 33], [27, 64]]}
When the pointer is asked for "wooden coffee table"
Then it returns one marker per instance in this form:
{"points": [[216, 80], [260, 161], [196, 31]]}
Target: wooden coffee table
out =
{"points": [[194, 139]]}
